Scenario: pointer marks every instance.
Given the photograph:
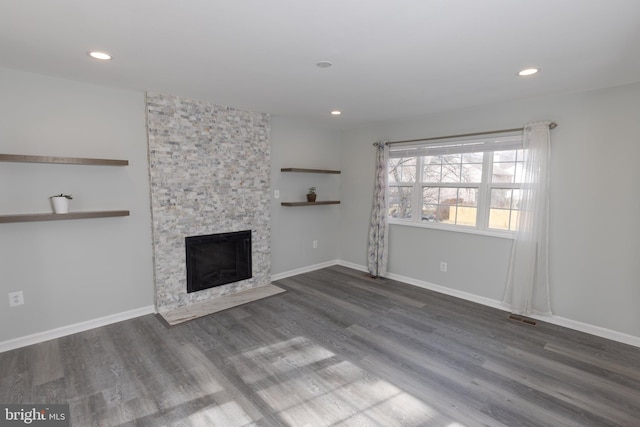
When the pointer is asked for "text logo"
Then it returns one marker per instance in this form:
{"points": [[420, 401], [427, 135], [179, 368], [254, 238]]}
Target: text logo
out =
{"points": [[36, 415]]}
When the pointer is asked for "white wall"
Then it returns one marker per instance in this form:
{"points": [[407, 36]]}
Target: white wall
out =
{"points": [[303, 145], [595, 207], [78, 270]]}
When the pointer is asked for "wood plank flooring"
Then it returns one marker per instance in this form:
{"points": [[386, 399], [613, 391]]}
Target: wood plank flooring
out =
{"points": [[337, 349]]}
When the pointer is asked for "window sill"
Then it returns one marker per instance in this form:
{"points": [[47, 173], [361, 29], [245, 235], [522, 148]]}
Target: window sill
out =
{"points": [[456, 229]]}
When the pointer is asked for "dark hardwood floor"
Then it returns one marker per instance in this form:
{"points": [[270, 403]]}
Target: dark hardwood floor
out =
{"points": [[338, 348]]}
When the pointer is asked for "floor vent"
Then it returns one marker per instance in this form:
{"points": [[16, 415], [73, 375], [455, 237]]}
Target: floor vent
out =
{"points": [[522, 319]]}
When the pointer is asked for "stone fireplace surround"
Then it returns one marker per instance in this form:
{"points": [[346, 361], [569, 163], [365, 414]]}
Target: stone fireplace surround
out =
{"points": [[209, 169]]}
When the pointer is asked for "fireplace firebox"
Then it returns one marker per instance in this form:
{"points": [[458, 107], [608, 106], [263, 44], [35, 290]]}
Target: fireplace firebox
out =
{"points": [[217, 259]]}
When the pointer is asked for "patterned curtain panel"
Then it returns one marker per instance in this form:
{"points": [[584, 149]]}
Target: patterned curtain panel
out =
{"points": [[379, 225], [527, 289]]}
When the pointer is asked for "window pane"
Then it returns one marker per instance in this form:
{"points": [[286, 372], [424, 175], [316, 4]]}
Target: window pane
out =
{"points": [[503, 172], [451, 172], [471, 173], [448, 196], [453, 159], [432, 172], [436, 203], [432, 160], [400, 202], [503, 213], [519, 173], [503, 219], [466, 212], [506, 165], [402, 170], [450, 205], [453, 168], [506, 156], [472, 157], [501, 198], [516, 199], [429, 212], [466, 216], [430, 195], [515, 215], [499, 219], [468, 197]]}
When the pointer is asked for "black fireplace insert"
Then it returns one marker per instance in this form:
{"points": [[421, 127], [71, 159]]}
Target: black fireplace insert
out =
{"points": [[217, 259]]}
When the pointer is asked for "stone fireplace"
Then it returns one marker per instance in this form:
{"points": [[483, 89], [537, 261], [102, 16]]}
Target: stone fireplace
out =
{"points": [[209, 169]]}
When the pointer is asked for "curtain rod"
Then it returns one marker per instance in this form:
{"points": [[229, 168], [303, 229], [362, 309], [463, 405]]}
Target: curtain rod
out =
{"points": [[553, 125]]}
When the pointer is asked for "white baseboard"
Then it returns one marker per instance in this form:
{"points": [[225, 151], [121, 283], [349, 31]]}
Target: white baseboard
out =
{"points": [[353, 266], [555, 320], [591, 329], [447, 291], [72, 329], [302, 270]]}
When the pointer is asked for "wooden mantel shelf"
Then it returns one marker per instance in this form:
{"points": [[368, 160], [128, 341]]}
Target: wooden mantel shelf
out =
{"points": [[309, 170], [328, 202], [57, 217], [61, 160]]}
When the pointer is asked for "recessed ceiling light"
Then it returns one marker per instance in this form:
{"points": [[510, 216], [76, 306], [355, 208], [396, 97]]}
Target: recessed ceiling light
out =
{"points": [[336, 113], [528, 72], [99, 55], [324, 64]]}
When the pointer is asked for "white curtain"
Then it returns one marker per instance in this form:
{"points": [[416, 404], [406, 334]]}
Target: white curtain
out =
{"points": [[379, 224], [527, 289]]}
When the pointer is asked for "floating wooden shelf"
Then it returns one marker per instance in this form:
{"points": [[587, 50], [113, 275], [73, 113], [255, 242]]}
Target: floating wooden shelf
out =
{"points": [[66, 161], [61, 160], [328, 202], [57, 217], [309, 170]]}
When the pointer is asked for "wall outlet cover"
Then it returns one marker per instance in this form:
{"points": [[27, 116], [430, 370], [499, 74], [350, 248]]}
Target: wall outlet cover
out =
{"points": [[16, 298]]}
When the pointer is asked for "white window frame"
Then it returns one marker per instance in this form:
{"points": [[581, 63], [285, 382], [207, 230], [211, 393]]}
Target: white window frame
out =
{"points": [[487, 144]]}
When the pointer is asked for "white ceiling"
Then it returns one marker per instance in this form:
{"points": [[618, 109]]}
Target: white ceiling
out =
{"points": [[392, 59]]}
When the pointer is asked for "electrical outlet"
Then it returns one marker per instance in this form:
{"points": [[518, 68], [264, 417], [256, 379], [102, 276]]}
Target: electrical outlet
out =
{"points": [[315, 244], [16, 298], [443, 266], [276, 194]]}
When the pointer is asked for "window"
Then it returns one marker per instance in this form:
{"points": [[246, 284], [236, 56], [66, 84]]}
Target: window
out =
{"points": [[470, 184]]}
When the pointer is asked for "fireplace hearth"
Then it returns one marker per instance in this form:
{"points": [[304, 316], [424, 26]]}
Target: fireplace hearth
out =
{"points": [[217, 259]]}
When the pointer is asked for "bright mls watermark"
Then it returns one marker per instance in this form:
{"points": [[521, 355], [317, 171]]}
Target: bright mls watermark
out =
{"points": [[36, 415]]}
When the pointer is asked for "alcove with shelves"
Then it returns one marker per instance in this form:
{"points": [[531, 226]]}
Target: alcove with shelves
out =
{"points": [[28, 217], [318, 171]]}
